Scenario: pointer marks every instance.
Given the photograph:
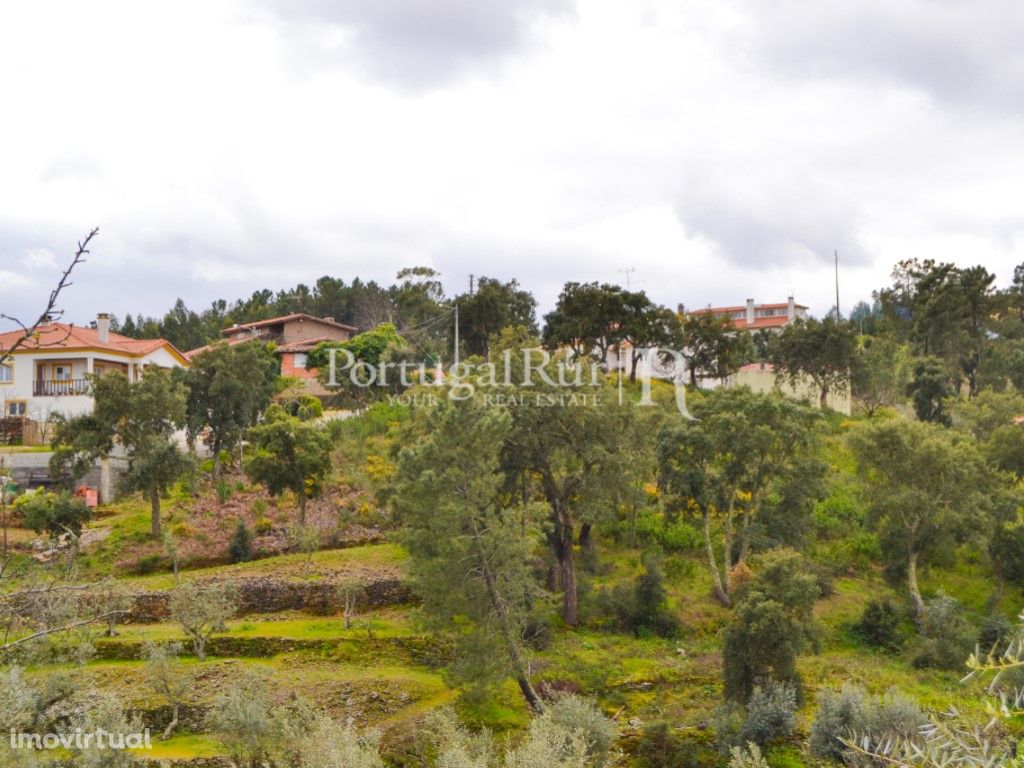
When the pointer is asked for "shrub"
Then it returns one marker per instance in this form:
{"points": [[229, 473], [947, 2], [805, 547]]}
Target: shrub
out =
{"points": [[240, 548], [748, 757], [680, 536], [659, 747], [55, 513], [879, 625], [771, 713], [223, 491], [948, 638], [641, 606], [259, 507], [264, 526], [652, 612], [995, 634], [850, 712], [332, 745], [772, 623], [840, 716], [305, 407], [579, 716], [148, 564]]}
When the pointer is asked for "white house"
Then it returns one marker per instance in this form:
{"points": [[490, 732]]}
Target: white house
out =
{"points": [[49, 373]]}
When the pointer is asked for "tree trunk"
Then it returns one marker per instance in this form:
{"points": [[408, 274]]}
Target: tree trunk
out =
{"points": [[728, 541], [716, 577], [567, 563], [749, 510], [111, 621], [586, 537], [915, 591], [174, 722], [215, 475], [302, 508], [824, 397], [154, 503], [633, 359], [511, 642], [745, 535]]}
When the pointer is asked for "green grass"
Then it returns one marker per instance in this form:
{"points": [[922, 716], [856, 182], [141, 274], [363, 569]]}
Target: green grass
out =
{"points": [[291, 566], [185, 747], [381, 624]]}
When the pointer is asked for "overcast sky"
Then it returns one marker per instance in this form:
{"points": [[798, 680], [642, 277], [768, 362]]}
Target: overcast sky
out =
{"points": [[722, 148]]}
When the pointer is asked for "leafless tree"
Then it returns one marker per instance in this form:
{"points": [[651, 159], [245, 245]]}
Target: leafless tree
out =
{"points": [[50, 312], [35, 611]]}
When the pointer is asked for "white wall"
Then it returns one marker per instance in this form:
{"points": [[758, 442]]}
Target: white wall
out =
{"points": [[42, 408]]}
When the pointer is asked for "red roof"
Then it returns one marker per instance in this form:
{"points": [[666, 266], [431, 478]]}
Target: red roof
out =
{"points": [[68, 337]]}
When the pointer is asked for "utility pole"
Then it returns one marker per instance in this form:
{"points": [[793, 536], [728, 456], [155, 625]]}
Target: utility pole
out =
{"points": [[626, 272], [456, 334], [471, 285], [838, 314]]}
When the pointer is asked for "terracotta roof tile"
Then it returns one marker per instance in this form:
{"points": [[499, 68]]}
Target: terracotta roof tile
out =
{"points": [[69, 337]]}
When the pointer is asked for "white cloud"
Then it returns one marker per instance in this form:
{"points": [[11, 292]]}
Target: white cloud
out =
{"points": [[722, 149]]}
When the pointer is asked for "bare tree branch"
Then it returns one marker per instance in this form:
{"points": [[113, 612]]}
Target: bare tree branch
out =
{"points": [[54, 630], [51, 306]]}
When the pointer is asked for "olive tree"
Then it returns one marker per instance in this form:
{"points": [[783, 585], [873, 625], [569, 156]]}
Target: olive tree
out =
{"points": [[168, 678], [289, 454], [928, 491], [202, 608]]}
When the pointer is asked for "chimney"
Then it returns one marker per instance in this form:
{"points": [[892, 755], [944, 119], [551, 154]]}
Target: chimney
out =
{"points": [[791, 309], [103, 327], [750, 311]]}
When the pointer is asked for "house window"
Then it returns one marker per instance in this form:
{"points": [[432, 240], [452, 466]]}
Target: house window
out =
{"points": [[300, 360], [62, 373], [6, 373], [15, 408]]}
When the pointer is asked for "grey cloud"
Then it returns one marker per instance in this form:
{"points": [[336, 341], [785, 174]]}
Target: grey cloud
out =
{"points": [[770, 223], [411, 43], [956, 52]]}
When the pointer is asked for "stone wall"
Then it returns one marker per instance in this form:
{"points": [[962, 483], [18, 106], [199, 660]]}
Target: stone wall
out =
{"points": [[272, 595]]}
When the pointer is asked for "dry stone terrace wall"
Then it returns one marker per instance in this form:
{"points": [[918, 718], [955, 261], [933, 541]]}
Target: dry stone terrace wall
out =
{"points": [[273, 595]]}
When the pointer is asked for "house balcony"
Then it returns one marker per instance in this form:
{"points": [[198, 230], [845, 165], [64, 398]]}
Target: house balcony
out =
{"points": [[60, 388]]}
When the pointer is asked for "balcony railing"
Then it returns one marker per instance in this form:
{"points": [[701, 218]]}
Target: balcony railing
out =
{"points": [[60, 388]]}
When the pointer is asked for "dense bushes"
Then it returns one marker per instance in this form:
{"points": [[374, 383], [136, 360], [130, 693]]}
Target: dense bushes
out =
{"points": [[55, 513], [879, 625], [641, 606], [851, 712], [771, 713], [948, 637], [240, 548], [659, 747], [772, 623]]}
